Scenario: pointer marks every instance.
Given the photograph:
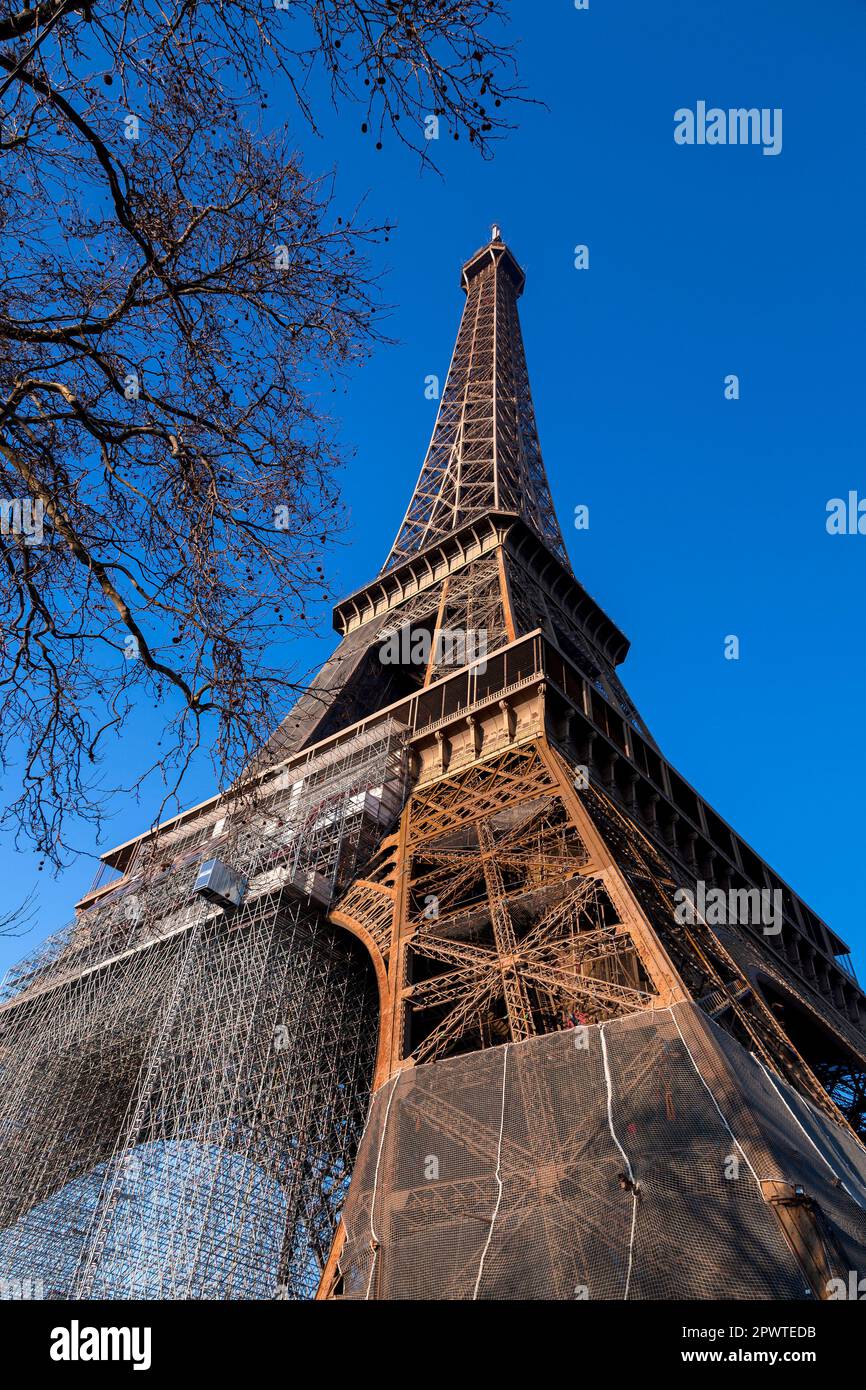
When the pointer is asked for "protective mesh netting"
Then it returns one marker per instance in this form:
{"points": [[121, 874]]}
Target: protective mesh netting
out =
{"points": [[511, 1173], [802, 1146]]}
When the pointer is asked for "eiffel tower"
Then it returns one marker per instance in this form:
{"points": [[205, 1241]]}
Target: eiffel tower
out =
{"points": [[611, 1053], [555, 891]]}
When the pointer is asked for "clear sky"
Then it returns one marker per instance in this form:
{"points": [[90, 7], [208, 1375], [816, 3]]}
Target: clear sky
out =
{"points": [[707, 515]]}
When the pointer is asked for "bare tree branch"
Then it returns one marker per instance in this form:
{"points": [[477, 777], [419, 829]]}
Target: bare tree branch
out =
{"points": [[18, 921]]}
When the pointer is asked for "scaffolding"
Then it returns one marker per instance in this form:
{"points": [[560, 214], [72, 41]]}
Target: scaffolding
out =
{"points": [[184, 1085]]}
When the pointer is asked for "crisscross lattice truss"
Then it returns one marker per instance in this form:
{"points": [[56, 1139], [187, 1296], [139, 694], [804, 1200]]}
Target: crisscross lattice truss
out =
{"points": [[500, 924], [484, 455], [511, 905], [519, 942]]}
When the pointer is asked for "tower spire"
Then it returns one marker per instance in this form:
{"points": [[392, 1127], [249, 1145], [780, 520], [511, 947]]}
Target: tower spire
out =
{"points": [[484, 454]]}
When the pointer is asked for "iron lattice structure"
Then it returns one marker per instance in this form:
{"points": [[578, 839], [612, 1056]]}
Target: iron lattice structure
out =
{"points": [[465, 865], [484, 455]]}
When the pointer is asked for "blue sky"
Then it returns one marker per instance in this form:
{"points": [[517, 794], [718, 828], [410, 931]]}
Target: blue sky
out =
{"points": [[707, 516]]}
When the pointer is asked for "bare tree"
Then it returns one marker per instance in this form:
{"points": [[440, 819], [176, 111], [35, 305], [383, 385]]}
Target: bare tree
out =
{"points": [[175, 288]]}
